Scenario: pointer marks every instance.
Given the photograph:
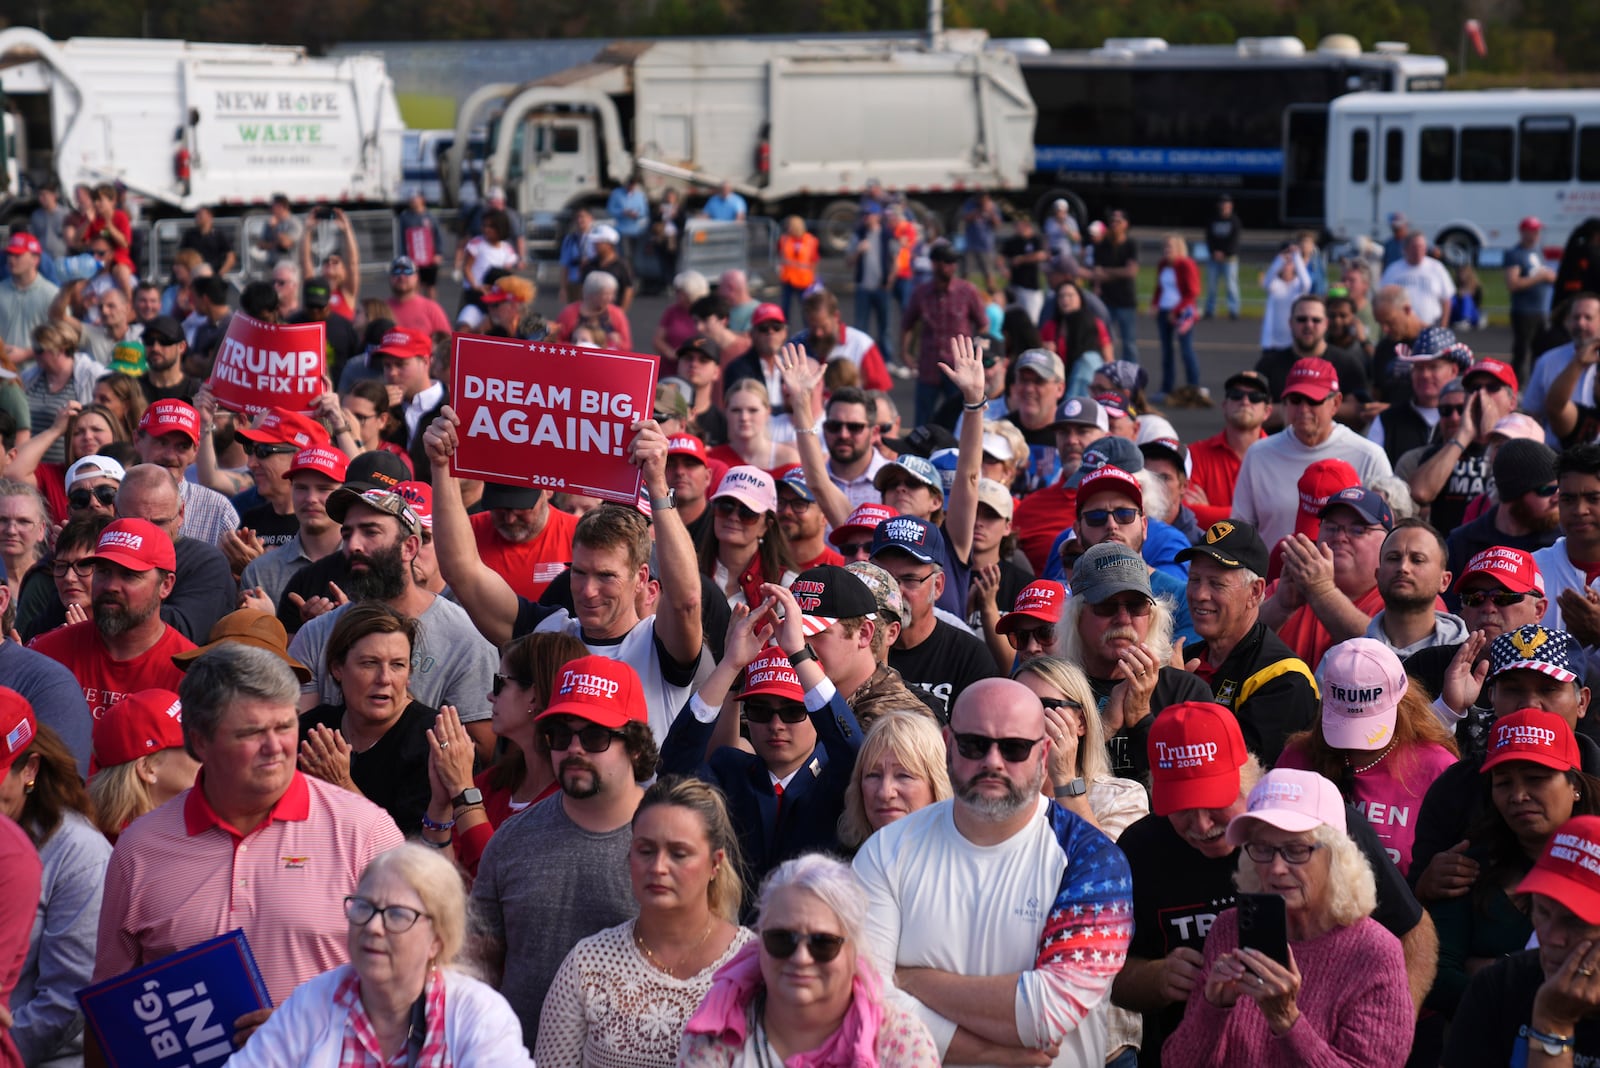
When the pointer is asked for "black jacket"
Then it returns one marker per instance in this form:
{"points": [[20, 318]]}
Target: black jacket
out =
{"points": [[1270, 690]]}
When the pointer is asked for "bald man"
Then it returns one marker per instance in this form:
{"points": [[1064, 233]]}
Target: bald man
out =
{"points": [[994, 885], [205, 590]]}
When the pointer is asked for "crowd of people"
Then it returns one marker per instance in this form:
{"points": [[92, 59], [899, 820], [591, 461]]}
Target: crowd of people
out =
{"points": [[1016, 732]]}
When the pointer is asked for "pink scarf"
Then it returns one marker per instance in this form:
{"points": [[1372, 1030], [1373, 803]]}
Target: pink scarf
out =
{"points": [[722, 1013]]}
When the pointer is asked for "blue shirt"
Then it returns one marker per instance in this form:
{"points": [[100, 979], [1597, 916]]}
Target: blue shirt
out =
{"points": [[630, 211], [730, 208], [1170, 578], [1535, 300]]}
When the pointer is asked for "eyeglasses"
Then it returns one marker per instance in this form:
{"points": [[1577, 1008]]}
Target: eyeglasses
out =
{"points": [[1253, 396], [855, 548], [781, 943], [79, 499], [1060, 702], [914, 582], [1547, 490], [1134, 606], [1492, 385], [727, 507], [770, 328], [1451, 411], [81, 568], [263, 450], [1095, 518], [1012, 750], [763, 713], [1501, 598], [501, 680], [1352, 530], [1295, 853], [594, 738], [1043, 637], [283, 281], [840, 426], [396, 918], [1295, 400], [793, 504], [1309, 319], [403, 271]]}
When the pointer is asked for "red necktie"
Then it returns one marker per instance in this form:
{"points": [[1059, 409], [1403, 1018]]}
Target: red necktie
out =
{"points": [[777, 792]]}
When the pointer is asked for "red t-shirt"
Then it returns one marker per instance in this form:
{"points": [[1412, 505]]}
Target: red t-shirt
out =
{"points": [[615, 323], [528, 566], [79, 648], [119, 219], [1214, 468], [828, 556], [419, 313], [20, 875], [1040, 519]]}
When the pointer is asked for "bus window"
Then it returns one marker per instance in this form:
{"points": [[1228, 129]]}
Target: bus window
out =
{"points": [[1361, 149], [1544, 149], [1589, 154], [1486, 153], [1394, 156], [1436, 154]]}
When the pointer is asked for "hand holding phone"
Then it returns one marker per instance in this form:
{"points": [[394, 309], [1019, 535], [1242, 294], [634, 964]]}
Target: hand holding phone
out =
{"points": [[1264, 925]]}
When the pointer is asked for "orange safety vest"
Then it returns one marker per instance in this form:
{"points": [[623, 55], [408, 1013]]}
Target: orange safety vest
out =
{"points": [[802, 250]]}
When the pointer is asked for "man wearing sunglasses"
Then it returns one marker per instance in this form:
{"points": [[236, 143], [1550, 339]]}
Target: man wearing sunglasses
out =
{"points": [[768, 331], [92, 486], [1046, 512], [164, 347], [559, 873], [1031, 629], [409, 309], [786, 798], [1214, 462], [1001, 915], [1308, 332], [1265, 494], [271, 441], [802, 521], [1525, 513]]}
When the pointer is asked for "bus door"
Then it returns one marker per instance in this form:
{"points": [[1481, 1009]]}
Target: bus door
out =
{"points": [[1304, 183], [1391, 188]]}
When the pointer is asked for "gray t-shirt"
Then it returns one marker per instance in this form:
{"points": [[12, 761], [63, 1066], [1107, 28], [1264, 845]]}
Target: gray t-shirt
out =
{"points": [[21, 310], [56, 696], [543, 884], [50, 228], [452, 663], [273, 569]]}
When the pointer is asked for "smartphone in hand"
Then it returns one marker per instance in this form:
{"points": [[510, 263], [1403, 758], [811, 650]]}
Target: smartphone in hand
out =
{"points": [[1264, 925]]}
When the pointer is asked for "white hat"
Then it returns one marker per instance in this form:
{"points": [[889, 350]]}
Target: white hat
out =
{"points": [[605, 233], [94, 467]]}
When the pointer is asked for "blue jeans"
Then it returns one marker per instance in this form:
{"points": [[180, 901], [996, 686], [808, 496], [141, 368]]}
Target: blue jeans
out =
{"points": [[1128, 1058], [1191, 366], [1125, 320], [1228, 272], [791, 295], [929, 396], [873, 304]]}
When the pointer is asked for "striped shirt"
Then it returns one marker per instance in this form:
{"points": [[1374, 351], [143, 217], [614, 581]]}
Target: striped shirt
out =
{"points": [[180, 875], [207, 514]]}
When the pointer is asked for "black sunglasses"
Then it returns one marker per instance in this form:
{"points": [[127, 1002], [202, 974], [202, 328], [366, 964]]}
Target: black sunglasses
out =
{"points": [[593, 738], [1136, 607], [839, 426], [1060, 702], [1095, 518], [782, 944], [1254, 396], [262, 450], [1501, 598], [772, 327], [763, 713], [79, 499], [1012, 750], [1041, 636], [727, 506], [1548, 490], [1493, 385], [851, 549], [501, 680], [1450, 411]]}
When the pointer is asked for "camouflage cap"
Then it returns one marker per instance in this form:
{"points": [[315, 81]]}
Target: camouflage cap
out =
{"points": [[885, 590]]}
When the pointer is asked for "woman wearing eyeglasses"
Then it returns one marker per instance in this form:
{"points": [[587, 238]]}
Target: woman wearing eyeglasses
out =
{"points": [[901, 768], [745, 545], [399, 1000], [801, 995], [56, 590], [1340, 995], [464, 809], [747, 404], [622, 995], [375, 742]]}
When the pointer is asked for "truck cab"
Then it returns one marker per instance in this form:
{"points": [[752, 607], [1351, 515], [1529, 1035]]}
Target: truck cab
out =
{"points": [[554, 162]]}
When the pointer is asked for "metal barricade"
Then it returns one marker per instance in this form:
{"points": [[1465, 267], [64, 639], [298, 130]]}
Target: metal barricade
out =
{"points": [[165, 236], [761, 250], [713, 247]]}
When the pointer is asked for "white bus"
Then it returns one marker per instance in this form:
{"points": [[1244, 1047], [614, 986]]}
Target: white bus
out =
{"points": [[1465, 167]]}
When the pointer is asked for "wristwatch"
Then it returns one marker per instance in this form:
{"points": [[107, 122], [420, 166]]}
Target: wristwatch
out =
{"points": [[1076, 788], [468, 797], [663, 504], [800, 656], [1553, 1045]]}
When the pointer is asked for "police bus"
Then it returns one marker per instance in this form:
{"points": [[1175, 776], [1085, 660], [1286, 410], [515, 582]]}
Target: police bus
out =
{"points": [[1161, 130], [1464, 168]]}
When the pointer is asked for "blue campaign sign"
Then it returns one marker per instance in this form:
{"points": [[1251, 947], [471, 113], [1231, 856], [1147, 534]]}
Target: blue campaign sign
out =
{"points": [[177, 1012], [1152, 160]]}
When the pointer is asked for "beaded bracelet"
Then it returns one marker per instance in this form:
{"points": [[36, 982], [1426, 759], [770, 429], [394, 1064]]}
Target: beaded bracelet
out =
{"points": [[430, 825]]}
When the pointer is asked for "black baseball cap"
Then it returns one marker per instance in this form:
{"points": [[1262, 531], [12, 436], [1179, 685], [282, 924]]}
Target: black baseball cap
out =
{"points": [[1250, 379], [1233, 543], [378, 469], [829, 593], [505, 495], [163, 330], [923, 441], [701, 348]]}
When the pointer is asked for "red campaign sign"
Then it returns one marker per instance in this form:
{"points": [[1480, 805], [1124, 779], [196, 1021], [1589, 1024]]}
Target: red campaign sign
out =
{"points": [[270, 365], [550, 416], [419, 244]]}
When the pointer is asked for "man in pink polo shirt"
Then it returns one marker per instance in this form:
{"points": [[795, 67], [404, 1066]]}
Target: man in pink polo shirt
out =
{"points": [[253, 844]]}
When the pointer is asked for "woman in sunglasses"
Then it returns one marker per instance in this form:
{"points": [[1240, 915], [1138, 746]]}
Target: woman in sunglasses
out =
{"points": [[1334, 991], [684, 868], [744, 545], [399, 1000], [900, 769], [374, 743], [802, 994], [748, 407], [464, 809]]}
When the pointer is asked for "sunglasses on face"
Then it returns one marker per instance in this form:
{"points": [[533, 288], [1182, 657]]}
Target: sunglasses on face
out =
{"points": [[1012, 750], [1296, 400], [1134, 606], [989, 361], [851, 549], [1501, 598], [1252, 396], [1043, 637], [1060, 702], [781, 943], [79, 499], [1451, 411], [1309, 319], [403, 271], [262, 451], [501, 680], [594, 738], [1549, 490], [839, 426], [772, 328], [1491, 385], [1295, 853], [727, 507], [763, 713], [1095, 518]]}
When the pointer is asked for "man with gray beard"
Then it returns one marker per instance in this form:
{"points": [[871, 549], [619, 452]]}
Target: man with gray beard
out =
{"points": [[1000, 917], [126, 647]]}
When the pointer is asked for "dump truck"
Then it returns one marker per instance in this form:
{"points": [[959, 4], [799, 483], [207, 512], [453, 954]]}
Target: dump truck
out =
{"points": [[181, 124], [795, 126]]}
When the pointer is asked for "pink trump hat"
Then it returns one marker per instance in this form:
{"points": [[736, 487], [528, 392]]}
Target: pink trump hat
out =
{"points": [[1290, 800]]}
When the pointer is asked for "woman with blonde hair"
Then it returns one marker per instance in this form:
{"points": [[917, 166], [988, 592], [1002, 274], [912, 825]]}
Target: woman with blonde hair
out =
{"points": [[655, 969], [87, 431], [901, 768], [122, 395], [748, 406], [140, 762], [1004, 468]]}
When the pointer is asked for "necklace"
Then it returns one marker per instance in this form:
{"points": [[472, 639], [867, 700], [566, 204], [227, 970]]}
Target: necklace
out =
{"points": [[672, 971], [1376, 761]]}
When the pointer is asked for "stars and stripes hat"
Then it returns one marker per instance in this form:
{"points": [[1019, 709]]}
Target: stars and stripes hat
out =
{"points": [[1536, 648], [17, 727], [827, 594]]}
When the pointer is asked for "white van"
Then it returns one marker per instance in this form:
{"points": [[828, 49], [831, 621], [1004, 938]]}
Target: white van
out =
{"points": [[1463, 168]]}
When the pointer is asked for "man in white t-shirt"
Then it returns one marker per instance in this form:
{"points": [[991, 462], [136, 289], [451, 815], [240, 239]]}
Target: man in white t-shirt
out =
{"points": [[1000, 917], [1426, 281]]}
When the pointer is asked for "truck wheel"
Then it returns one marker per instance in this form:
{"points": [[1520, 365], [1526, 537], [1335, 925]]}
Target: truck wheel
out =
{"points": [[1458, 247], [837, 226], [1044, 207]]}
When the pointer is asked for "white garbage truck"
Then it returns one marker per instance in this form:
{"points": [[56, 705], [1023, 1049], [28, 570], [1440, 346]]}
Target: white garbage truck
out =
{"points": [[795, 126], [182, 124]]}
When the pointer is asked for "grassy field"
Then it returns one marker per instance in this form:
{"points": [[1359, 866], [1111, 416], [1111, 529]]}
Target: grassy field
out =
{"points": [[1496, 301]]}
